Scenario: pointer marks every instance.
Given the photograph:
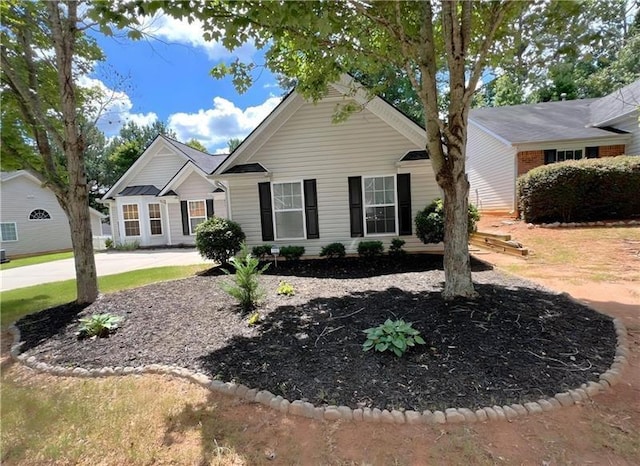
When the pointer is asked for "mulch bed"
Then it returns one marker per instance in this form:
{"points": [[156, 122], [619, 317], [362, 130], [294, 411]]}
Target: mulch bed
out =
{"points": [[517, 342]]}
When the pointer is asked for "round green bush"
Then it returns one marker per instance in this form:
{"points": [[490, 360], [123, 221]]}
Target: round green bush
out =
{"points": [[430, 222], [219, 239]]}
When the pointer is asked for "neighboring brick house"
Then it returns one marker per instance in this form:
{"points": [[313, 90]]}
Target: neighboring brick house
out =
{"points": [[506, 142]]}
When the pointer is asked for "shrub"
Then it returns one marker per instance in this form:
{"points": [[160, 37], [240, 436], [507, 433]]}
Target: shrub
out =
{"points": [[254, 319], [219, 239], [292, 253], [127, 246], [430, 222], [261, 252], [285, 289], [108, 243], [333, 250], [397, 336], [245, 286], [370, 249], [98, 325], [395, 250], [581, 190]]}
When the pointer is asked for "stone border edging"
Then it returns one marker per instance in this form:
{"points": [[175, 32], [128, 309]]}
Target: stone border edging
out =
{"points": [[330, 413], [619, 223]]}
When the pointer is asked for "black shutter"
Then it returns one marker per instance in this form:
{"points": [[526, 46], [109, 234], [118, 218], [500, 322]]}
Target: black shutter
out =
{"points": [[593, 152], [404, 204], [266, 216], [355, 206], [210, 211], [311, 209], [185, 217], [549, 156]]}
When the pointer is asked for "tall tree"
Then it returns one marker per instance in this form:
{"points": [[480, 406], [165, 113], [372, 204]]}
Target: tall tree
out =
{"points": [[44, 48], [430, 41], [194, 143], [233, 143]]}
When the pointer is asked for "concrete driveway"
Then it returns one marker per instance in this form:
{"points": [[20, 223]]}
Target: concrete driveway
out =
{"points": [[107, 263]]}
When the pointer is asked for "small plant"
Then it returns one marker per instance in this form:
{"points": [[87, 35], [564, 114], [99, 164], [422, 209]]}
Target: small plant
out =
{"points": [[370, 249], [245, 286], [261, 252], [292, 253], [393, 335], [219, 239], [108, 243], [254, 319], [430, 222], [98, 325], [285, 289], [395, 250], [333, 250], [128, 246]]}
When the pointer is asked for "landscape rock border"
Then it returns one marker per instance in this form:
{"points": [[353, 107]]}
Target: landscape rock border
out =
{"points": [[620, 223], [374, 415]]}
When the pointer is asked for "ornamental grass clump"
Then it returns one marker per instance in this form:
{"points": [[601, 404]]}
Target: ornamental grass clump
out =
{"points": [[98, 325], [245, 286], [394, 335]]}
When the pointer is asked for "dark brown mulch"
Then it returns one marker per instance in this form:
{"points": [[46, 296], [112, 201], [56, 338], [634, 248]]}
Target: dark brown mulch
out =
{"points": [[515, 343]]}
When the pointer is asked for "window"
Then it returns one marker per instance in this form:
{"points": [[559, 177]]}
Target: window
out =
{"points": [[39, 214], [8, 231], [131, 220], [197, 214], [553, 155], [380, 205], [288, 210], [155, 220]]}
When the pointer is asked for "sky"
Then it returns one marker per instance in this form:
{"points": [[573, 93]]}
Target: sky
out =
{"points": [[168, 77]]}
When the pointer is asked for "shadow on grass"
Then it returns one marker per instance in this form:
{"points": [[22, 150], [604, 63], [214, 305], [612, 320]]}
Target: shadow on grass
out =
{"points": [[510, 345], [44, 325]]}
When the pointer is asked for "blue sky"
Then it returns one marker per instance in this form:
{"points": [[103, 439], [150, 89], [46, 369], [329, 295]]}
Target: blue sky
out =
{"points": [[167, 77]]}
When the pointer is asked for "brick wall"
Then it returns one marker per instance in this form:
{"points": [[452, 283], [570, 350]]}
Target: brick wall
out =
{"points": [[530, 159], [611, 151]]}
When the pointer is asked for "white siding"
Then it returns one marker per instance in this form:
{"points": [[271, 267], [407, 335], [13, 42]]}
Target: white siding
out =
{"points": [[175, 223], [491, 171], [18, 197], [194, 187], [310, 146], [632, 125], [157, 171]]}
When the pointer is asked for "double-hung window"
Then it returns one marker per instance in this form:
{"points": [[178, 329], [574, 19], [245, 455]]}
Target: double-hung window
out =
{"points": [[288, 210], [131, 217], [155, 219], [8, 231], [197, 214], [379, 204]]}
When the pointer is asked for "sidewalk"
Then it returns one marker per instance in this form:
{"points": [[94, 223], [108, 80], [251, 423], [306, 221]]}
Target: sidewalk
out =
{"points": [[107, 263]]}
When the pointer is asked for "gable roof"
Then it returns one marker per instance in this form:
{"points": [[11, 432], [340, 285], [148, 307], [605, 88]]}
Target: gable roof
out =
{"points": [[205, 162], [142, 190], [557, 121]]}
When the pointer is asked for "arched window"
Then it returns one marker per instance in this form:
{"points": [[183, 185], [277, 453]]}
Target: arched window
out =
{"points": [[39, 214]]}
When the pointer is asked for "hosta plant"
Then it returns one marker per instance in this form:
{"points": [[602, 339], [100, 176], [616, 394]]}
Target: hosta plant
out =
{"points": [[98, 325], [394, 335]]}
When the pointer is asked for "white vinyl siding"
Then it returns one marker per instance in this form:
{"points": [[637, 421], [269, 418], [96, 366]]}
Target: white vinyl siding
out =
{"points": [[8, 231], [491, 170], [310, 146], [380, 209], [157, 171], [632, 125], [288, 211]]}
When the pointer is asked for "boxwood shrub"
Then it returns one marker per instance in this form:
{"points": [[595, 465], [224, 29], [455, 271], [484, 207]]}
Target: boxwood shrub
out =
{"points": [[430, 222], [582, 190], [219, 239]]}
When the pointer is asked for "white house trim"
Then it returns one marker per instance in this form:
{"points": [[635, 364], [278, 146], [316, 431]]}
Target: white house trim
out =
{"points": [[180, 177]]}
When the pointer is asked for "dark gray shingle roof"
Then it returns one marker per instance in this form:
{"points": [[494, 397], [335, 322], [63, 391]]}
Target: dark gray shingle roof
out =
{"points": [[205, 162], [615, 105], [141, 190], [246, 168]]}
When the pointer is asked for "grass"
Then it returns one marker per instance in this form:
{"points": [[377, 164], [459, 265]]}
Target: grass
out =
{"points": [[23, 301], [56, 256]]}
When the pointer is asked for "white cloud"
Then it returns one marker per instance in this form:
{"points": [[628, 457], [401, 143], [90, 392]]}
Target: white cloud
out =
{"points": [[112, 108], [182, 32], [215, 126]]}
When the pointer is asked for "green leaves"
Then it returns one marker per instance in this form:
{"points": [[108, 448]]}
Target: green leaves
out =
{"points": [[245, 286], [98, 325], [394, 335]]}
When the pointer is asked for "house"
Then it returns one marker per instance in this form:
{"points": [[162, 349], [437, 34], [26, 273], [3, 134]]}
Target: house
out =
{"points": [[506, 142], [31, 220], [164, 195], [301, 179]]}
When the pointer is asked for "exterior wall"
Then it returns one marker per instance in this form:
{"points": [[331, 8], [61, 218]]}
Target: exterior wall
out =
{"points": [[490, 168], [175, 223], [528, 160], [159, 169], [611, 151], [632, 125], [310, 146], [145, 238], [18, 197]]}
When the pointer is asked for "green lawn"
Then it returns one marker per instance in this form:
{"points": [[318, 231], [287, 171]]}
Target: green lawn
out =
{"points": [[56, 256], [22, 301]]}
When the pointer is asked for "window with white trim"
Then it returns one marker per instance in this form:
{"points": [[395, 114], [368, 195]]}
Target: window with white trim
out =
{"points": [[379, 205], [155, 219], [560, 155], [197, 214], [39, 214], [8, 231], [131, 217], [288, 210]]}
